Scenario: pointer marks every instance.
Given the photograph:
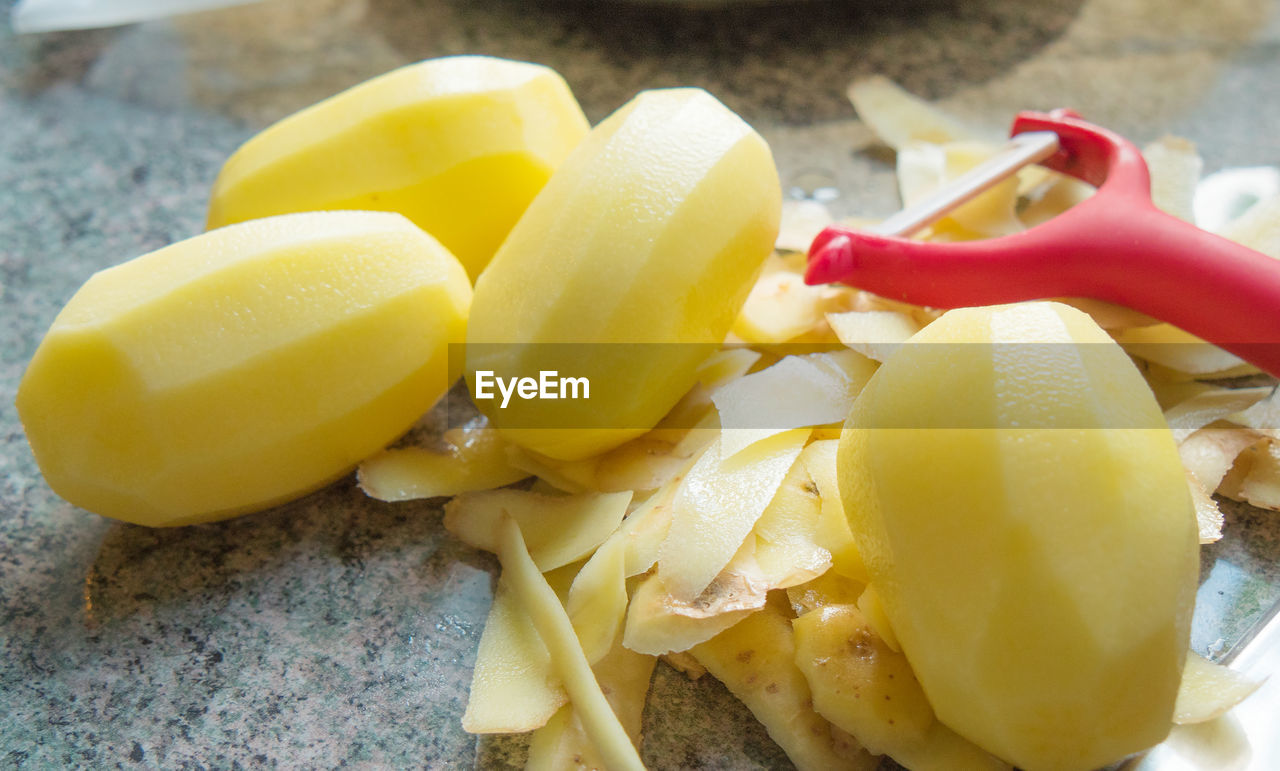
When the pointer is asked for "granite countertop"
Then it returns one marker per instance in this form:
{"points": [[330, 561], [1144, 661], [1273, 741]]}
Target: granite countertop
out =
{"points": [[340, 631]]}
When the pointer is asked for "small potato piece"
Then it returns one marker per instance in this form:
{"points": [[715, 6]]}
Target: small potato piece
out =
{"points": [[756, 661], [244, 367]]}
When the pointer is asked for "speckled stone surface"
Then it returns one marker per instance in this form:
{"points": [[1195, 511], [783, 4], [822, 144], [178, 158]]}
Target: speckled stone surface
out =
{"points": [[340, 631]]}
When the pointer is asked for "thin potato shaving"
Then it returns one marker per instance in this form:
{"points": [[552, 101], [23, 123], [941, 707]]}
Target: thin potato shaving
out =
{"points": [[684, 663], [830, 588], [726, 366], [1169, 346], [510, 688], [868, 690], [1175, 168], [1209, 453], [1262, 416], [1171, 393], [784, 548], [1208, 516], [1258, 228], [801, 223], [643, 464], [597, 601], [798, 391], [898, 117], [1261, 485], [1204, 408], [1208, 690], [780, 307], [833, 532], [1045, 194], [872, 609], [659, 623], [874, 334], [644, 530], [716, 506], [562, 529], [563, 743], [537, 597], [894, 711], [567, 476]]}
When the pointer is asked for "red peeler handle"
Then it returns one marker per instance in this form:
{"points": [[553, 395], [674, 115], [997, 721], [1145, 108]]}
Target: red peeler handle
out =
{"points": [[1114, 246]]}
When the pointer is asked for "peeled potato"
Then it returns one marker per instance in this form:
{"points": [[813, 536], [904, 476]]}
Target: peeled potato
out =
{"points": [[1025, 518], [627, 271], [243, 367], [459, 145]]}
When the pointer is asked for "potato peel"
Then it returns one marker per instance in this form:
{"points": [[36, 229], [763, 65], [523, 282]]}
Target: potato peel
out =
{"points": [[780, 307], [1209, 690], [1258, 228], [472, 459], [874, 334], [1189, 416], [796, 392], [755, 659], [1175, 168], [833, 533], [563, 743], [555, 629], [1261, 485], [898, 117], [597, 601], [802, 221], [562, 529], [1208, 516], [1169, 346], [510, 690], [716, 506], [659, 623]]}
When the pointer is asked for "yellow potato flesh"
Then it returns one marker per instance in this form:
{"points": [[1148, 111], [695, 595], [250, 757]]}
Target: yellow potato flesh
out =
{"points": [[1040, 579], [459, 145], [244, 367], [650, 232]]}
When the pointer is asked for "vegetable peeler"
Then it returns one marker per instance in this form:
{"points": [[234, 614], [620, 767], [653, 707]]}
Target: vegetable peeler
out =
{"points": [[1114, 246]]}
